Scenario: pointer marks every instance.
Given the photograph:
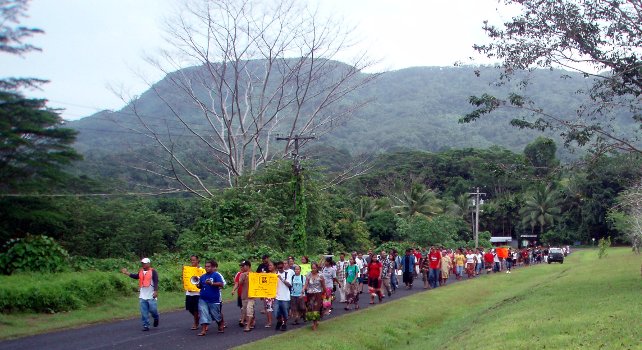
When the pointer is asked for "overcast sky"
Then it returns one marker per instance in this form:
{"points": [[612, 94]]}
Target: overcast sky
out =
{"points": [[89, 45]]}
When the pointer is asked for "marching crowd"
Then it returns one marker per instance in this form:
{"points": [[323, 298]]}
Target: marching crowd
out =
{"points": [[307, 291]]}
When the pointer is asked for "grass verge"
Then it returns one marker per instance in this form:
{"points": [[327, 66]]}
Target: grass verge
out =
{"points": [[583, 303], [111, 309]]}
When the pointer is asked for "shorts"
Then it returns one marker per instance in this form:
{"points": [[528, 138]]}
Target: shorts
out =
{"points": [[248, 305], [373, 283], [209, 312], [268, 303], [191, 303]]}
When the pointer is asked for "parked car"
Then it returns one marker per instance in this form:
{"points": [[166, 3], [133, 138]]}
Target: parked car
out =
{"points": [[556, 255]]}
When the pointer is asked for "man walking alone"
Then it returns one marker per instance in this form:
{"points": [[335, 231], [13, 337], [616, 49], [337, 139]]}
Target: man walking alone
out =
{"points": [[148, 292]]}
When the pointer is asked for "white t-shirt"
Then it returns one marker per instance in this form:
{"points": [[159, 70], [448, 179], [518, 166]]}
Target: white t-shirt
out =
{"points": [[470, 258], [479, 257], [359, 263], [282, 290]]}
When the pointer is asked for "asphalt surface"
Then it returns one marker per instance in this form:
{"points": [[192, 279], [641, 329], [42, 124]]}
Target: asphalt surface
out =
{"points": [[174, 330]]}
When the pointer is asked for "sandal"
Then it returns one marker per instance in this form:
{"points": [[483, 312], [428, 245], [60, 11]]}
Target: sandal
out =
{"points": [[201, 334], [345, 308], [194, 328]]}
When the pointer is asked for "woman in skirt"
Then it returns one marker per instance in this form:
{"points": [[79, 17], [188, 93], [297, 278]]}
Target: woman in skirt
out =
{"points": [[314, 291]]}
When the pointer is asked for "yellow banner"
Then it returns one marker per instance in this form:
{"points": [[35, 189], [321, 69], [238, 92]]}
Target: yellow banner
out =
{"points": [[188, 273], [262, 285]]}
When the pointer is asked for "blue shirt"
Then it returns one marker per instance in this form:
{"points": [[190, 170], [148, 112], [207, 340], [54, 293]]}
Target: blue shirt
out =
{"points": [[211, 294], [297, 285]]}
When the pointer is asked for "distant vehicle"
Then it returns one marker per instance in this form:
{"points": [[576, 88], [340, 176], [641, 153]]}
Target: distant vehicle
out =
{"points": [[556, 254]]}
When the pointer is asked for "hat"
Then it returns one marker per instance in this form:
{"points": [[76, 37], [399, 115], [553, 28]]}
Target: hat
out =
{"points": [[146, 261], [245, 263]]}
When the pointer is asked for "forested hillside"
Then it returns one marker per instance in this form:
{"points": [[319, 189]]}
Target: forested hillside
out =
{"points": [[415, 108]]}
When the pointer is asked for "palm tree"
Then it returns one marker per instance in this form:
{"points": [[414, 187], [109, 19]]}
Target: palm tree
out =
{"points": [[418, 201], [461, 207], [541, 208]]}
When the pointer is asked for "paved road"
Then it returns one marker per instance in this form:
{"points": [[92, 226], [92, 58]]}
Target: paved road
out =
{"points": [[173, 332]]}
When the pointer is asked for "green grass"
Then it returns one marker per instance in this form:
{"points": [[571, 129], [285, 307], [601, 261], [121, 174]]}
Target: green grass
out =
{"points": [[117, 308], [585, 303], [111, 309]]}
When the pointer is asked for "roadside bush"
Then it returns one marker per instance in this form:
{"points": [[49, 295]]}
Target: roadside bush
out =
{"points": [[33, 253], [50, 293]]}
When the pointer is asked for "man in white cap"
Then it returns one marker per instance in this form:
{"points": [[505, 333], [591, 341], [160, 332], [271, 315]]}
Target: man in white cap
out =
{"points": [[148, 286]]}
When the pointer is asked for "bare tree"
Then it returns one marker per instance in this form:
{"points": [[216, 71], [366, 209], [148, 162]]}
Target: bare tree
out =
{"points": [[258, 68], [631, 202]]}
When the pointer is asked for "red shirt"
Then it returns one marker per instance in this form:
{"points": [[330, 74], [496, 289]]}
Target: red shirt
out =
{"points": [[374, 270], [489, 257], [434, 258], [239, 290], [417, 257]]}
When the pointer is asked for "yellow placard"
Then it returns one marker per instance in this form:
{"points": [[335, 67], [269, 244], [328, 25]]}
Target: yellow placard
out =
{"points": [[262, 285], [188, 273]]}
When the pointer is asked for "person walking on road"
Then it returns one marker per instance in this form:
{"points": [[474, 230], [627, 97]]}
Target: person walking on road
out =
{"points": [[247, 302], [148, 292], [460, 262], [297, 297], [489, 261], [387, 271], [192, 296], [352, 285], [408, 268], [446, 266], [434, 264], [329, 273], [210, 303], [374, 279], [283, 286], [471, 261], [314, 290], [341, 266]]}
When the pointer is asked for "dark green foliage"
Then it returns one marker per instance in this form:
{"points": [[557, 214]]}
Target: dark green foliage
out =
{"points": [[114, 228], [33, 146], [382, 225], [33, 254], [400, 247], [442, 230], [541, 156]]}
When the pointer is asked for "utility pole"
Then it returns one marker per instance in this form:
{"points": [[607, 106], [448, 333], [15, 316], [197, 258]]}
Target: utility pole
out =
{"points": [[477, 194], [296, 164], [299, 236]]}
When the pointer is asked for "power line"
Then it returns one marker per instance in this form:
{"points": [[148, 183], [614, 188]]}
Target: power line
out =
{"points": [[124, 194]]}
